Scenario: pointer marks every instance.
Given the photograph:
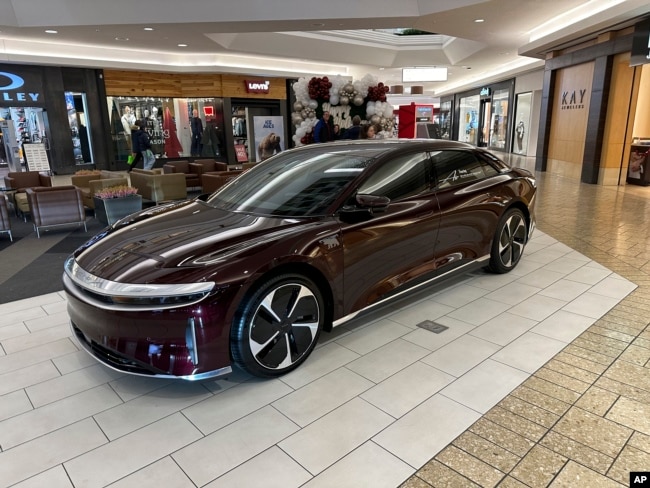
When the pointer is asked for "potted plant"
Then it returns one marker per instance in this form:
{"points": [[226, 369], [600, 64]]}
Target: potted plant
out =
{"points": [[115, 202]]}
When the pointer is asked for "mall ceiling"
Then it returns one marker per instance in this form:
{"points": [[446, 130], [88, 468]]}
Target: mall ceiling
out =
{"points": [[478, 41]]}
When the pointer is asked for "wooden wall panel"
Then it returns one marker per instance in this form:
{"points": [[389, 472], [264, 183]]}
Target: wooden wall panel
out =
{"points": [[142, 84], [234, 87], [201, 86], [617, 124], [145, 84], [569, 122]]}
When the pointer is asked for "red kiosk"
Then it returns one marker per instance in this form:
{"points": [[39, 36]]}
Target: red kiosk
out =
{"points": [[415, 120]]}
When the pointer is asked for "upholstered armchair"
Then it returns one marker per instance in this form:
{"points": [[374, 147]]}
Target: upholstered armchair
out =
{"points": [[159, 187], [5, 223], [201, 166], [89, 184], [20, 180], [216, 179], [183, 167], [54, 206]]}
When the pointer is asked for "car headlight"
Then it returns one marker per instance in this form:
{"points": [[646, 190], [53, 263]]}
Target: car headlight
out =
{"points": [[140, 295]]}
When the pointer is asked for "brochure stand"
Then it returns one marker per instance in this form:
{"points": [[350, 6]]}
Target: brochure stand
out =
{"points": [[36, 157]]}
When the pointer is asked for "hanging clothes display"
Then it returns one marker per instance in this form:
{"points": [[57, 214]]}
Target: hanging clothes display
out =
{"points": [[172, 144], [210, 141]]}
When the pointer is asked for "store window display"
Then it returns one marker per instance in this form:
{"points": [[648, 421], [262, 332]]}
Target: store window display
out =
{"points": [[499, 122], [168, 121], [469, 109]]}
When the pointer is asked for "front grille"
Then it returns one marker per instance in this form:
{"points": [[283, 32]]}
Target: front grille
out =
{"points": [[114, 359]]}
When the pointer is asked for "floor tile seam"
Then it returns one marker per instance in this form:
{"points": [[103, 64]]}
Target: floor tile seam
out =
{"points": [[480, 461], [581, 444], [575, 366], [618, 456], [533, 405], [585, 252]]}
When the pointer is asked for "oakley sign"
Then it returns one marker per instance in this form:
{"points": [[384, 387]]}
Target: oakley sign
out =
{"points": [[10, 83], [256, 86]]}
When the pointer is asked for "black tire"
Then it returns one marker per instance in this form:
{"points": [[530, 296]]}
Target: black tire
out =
{"points": [[509, 241], [277, 326]]}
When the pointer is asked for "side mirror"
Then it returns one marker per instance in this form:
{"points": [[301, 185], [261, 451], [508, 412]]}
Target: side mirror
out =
{"points": [[374, 202], [365, 206]]}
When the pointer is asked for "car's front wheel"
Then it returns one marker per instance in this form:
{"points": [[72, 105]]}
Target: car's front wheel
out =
{"points": [[277, 326], [509, 241]]}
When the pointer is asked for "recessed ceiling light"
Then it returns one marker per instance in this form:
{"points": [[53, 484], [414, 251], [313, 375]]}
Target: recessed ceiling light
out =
{"points": [[51, 31], [478, 21], [148, 28], [121, 38], [182, 45]]}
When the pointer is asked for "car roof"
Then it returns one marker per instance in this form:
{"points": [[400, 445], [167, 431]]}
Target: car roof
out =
{"points": [[377, 147]]}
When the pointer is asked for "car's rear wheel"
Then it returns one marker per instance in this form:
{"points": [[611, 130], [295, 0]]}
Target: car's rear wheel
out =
{"points": [[509, 241], [278, 326]]}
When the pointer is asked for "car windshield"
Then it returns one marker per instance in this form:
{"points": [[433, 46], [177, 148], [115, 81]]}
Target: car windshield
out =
{"points": [[292, 184]]}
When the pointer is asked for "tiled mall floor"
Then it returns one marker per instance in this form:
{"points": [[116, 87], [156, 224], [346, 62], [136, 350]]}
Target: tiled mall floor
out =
{"points": [[539, 378]]}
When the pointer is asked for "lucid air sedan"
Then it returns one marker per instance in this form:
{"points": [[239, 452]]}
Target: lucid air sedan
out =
{"points": [[302, 242]]}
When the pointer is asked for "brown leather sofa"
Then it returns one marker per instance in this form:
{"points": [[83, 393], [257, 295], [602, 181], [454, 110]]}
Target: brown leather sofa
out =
{"points": [[54, 206], [5, 223], [89, 184], [159, 187], [183, 167], [214, 180]]}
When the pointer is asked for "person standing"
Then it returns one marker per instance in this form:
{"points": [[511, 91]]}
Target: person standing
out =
{"points": [[196, 126], [324, 129], [136, 154], [143, 142], [354, 132]]}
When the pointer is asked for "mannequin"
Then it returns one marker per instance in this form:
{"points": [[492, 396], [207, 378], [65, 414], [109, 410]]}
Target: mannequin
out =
{"points": [[128, 119]]}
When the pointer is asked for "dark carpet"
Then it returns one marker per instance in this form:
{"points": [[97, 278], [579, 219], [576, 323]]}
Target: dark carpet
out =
{"points": [[43, 274]]}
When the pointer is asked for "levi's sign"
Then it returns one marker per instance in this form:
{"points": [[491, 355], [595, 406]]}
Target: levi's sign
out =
{"points": [[257, 86], [10, 85]]}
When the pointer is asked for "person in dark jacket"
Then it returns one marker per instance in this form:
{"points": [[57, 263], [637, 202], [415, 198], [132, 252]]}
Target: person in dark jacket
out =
{"points": [[354, 132], [196, 126], [136, 155], [324, 129], [142, 143]]}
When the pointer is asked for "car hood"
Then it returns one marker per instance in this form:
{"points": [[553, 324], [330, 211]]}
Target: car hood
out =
{"points": [[182, 236]]}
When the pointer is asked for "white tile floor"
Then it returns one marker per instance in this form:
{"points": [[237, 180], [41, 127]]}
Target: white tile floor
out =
{"points": [[378, 398]]}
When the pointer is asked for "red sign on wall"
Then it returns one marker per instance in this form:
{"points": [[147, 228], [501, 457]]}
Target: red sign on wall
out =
{"points": [[240, 153], [257, 86]]}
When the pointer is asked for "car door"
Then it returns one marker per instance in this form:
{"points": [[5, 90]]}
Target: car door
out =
{"points": [[467, 193], [394, 245]]}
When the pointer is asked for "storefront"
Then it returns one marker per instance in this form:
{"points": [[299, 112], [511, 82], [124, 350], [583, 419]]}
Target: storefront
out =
{"points": [[595, 106], [235, 114], [482, 115], [56, 110], [446, 116]]}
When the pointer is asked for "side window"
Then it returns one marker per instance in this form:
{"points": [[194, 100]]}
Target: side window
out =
{"points": [[402, 177], [455, 168]]}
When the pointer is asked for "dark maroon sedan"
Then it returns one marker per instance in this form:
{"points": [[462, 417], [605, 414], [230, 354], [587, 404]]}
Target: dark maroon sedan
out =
{"points": [[251, 274]]}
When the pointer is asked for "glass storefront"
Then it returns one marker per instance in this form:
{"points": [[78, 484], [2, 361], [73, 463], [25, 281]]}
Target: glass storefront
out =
{"points": [[499, 119], [21, 125], [81, 144], [445, 119], [468, 119], [168, 122], [522, 123]]}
